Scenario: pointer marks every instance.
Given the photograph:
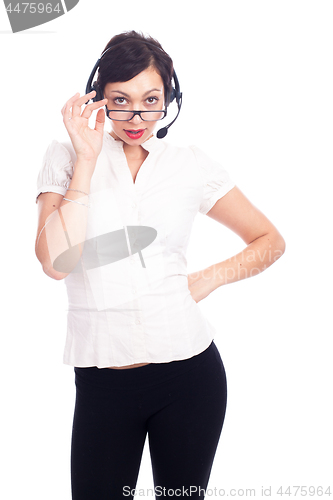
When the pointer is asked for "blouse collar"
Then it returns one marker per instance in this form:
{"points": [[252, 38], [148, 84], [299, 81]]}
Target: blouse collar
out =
{"points": [[149, 145]]}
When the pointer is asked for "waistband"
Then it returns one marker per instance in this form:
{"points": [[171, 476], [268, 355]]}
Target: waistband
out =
{"points": [[150, 374]]}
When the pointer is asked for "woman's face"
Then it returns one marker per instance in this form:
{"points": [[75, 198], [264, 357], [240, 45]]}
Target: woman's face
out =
{"points": [[144, 92]]}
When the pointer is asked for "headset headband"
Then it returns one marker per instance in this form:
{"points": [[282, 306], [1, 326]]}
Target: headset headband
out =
{"points": [[174, 94]]}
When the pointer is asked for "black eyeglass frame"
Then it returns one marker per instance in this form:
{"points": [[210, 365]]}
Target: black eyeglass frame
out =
{"points": [[135, 113]]}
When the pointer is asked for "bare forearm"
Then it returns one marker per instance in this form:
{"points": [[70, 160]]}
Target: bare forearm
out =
{"points": [[66, 227], [255, 258]]}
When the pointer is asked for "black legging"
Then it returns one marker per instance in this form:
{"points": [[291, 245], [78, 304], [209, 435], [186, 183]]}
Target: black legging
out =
{"points": [[181, 405]]}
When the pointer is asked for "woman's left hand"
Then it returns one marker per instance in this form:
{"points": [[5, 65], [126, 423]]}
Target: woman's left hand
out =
{"points": [[201, 284]]}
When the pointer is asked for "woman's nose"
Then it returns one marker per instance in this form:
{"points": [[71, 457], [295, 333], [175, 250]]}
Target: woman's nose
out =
{"points": [[136, 119]]}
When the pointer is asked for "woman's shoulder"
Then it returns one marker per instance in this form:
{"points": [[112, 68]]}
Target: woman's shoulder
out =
{"points": [[59, 151], [56, 170], [180, 149], [69, 147]]}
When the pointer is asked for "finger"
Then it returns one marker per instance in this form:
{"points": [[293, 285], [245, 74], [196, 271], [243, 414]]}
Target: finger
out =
{"points": [[66, 111], [75, 103], [100, 119], [87, 112], [69, 101], [76, 111]]}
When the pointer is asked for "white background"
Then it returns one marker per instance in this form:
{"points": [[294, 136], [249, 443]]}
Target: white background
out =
{"points": [[257, 85]]}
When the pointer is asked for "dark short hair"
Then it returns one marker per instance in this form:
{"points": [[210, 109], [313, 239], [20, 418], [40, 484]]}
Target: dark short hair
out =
{"points": [[130, 56]]}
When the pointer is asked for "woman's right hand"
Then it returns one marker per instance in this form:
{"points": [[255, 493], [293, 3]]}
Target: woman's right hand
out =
{"points": [[87, 142]]}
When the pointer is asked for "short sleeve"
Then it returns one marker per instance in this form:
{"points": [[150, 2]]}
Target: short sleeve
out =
{"points": [[56, 171], [216, 180]]}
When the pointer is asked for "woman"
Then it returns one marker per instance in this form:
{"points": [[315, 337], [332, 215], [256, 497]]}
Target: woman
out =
{"points": [[143, 354]]}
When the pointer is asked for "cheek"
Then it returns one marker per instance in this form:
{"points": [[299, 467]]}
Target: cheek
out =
{"points": [[116, 126], [152, 125]]}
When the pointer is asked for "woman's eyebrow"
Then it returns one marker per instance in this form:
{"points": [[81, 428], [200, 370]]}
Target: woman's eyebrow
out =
{"points": [[146, 93], [152, 90], [120, 92]]}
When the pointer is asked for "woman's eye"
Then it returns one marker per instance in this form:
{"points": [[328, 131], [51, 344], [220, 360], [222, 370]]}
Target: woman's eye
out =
{"points": [[152, 100], [120, 100]]}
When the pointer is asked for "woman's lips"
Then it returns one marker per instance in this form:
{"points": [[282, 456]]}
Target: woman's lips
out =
{"points": [[135, 134]]}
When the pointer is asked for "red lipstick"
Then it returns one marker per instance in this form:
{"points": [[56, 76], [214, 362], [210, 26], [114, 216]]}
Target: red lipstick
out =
{"points": [[135, 134]]}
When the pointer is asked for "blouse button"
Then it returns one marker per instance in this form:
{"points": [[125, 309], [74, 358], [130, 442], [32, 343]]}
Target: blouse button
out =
{"points": [[137, 322]]}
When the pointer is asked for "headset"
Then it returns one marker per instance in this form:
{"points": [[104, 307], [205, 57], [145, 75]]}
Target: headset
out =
{"points": [[174, 94]]}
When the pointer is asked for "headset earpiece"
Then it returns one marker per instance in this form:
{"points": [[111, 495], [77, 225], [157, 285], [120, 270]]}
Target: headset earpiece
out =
{"points": [[98, 96], [172, 96]]}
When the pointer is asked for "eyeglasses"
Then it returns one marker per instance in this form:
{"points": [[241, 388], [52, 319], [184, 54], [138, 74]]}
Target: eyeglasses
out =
{"points": [[122, 115]]}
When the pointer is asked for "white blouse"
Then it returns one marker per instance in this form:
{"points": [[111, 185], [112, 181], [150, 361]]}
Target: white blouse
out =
{"points": [[136, 307]]}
